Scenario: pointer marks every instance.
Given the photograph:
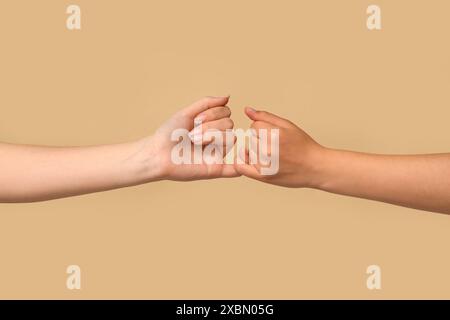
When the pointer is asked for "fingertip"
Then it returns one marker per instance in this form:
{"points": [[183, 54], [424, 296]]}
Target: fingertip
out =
{"points": [[250, 112], [224, 98], [217, 101], [237, 168]]}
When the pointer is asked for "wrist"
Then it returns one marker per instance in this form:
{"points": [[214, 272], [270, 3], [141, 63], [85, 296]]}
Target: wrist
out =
{"points": [[146, 161], [321, 167]]}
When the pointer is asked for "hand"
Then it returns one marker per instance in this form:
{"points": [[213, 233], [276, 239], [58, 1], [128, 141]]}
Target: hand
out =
{"points": [[156, 150], [299, 154]]}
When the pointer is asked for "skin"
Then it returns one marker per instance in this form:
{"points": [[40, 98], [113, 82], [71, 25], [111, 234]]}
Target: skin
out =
{"points": [[415, 181], [32, 173]]}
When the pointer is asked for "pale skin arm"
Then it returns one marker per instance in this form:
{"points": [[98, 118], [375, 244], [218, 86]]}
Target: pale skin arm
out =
{"points": [[34, 173], [415, 181]]}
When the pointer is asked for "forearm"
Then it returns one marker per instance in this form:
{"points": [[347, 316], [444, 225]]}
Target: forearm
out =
{"points": [[29, 173], [416, 181]]}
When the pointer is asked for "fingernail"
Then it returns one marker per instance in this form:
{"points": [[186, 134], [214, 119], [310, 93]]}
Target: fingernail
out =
{"points": [[251, 109], [199, 119]]}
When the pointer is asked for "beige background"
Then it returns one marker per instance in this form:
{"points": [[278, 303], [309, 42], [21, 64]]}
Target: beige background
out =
{"points": [[134, 63]]}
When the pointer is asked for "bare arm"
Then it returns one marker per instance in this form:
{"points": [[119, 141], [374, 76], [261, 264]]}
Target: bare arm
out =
{"points": [[415, 181], [33, 173]]}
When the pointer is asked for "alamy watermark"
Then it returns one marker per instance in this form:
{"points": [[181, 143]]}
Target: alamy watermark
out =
{"points": [[73, 21], [213, 147], [73, 281], [373, 281]]}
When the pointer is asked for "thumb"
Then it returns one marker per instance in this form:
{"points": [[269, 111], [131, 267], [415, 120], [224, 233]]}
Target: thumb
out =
{"points": [[265, 116]]}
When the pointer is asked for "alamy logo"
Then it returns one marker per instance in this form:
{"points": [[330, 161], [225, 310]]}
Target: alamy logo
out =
{"points": [[73, 281], [73, 21], [373, 281], [261, 150], [374, 18]]}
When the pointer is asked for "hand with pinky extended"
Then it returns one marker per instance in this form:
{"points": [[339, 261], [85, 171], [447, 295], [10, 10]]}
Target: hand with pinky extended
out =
{"points": [[38, 173], [214, 115], [415, 181], [296, 150]]}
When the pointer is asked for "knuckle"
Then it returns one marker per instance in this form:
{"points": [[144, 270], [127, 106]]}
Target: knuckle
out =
{"points": [[216, 112], [182, 113], [229, 123]]}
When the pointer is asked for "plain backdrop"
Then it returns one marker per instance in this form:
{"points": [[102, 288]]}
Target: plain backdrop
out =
{"points": [[134, 63]]}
